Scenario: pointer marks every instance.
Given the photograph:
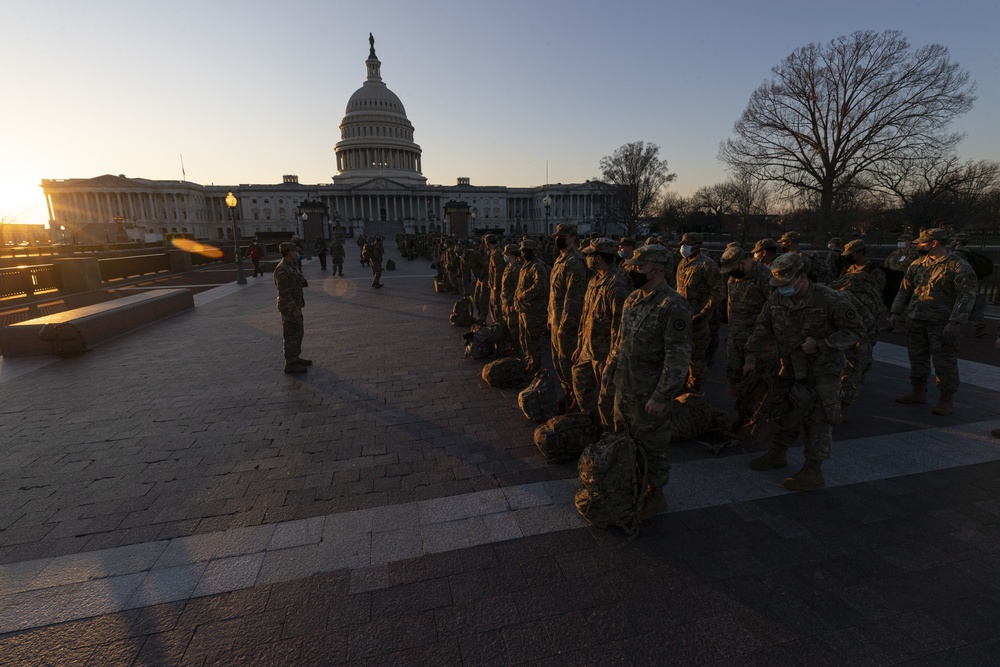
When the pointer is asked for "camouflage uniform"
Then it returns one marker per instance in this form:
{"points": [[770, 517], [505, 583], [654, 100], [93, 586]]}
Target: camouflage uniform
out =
{"points": [[508, 286], [288, 282], [700, 282], [599, 323], [478, 267], [978, 311], [372, 253], [895, 266], [932, 294], [496, 271], [747, 296], [337, 256], [567, 286], [830, 318], [649, 360], [530, 301], [865, 282]]}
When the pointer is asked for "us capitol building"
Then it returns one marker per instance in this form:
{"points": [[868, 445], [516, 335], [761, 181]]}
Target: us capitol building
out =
{"points": [[378, 188]]}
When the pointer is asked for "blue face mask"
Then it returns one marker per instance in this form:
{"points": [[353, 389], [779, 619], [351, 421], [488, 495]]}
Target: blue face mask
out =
{"points": [[787, 290], [686, 250]]}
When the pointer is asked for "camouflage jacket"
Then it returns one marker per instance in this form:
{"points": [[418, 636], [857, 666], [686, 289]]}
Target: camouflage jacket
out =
{"points": [[747, 297], [289, 283], [508, 287], [822, 313], [602, 314], [938, 291], [700, 282], [652, 351], [496, 269], [567, 286], [476, 263], [866, 282], [532, 294], [900, 259], [337, 250]]}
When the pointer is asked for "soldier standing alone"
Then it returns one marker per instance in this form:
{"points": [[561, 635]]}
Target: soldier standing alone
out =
{"points": [[289, 283]]}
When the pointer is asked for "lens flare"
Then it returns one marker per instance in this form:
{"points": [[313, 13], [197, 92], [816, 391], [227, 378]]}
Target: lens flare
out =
{"points": [[188, 245]]}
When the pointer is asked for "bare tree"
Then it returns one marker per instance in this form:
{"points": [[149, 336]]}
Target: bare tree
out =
{"points": [[674, 209], [751, 197], [7, 219], [831, 113], [632, 179]]}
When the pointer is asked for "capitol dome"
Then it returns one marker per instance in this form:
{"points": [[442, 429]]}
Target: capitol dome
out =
{"points": [[376, 137]]}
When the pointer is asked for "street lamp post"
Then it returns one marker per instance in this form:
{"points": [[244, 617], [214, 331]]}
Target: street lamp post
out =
{"points": [[473, 214], [547, 203], [241, 278]]}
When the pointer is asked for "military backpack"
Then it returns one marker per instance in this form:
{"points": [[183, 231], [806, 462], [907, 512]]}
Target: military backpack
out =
{"points": [[502, 373], [390, 265], [981, 265], [485, 341], [564, 437], [67, 339], [538, 401], [693, 415], [461, 313], [612, 482]]}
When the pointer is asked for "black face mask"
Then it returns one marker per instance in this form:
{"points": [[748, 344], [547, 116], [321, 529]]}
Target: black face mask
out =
{"points": [[561, 242], [921, 250], [638, 279], [737, 274], [528, 255]]}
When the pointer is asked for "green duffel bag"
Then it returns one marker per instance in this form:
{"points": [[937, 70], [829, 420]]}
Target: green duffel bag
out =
{"points": [[501, 373], [538, 401], [612, 482], [564, 437]]}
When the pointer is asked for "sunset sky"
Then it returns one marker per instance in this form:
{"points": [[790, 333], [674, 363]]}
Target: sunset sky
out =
{"points": [[249, 91]]}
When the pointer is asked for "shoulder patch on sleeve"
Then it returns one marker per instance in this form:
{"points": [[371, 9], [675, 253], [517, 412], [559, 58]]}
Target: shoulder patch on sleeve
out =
{"points": [[680, 325]]}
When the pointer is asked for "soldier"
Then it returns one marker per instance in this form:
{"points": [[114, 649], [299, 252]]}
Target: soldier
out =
{"points": [[700, 282], [372, 253], [602, 311], [508, 286], [937, 293], [895, 267], [567, 286], [808, 327], [960, 248], [319, 245], [765, 250], [530, 301], [648, 365], [834, 262], [818, 271], [747, 283], [626, 246], [477, 268], [362, 242], [495, 253], [289, 281], [337, 255]]}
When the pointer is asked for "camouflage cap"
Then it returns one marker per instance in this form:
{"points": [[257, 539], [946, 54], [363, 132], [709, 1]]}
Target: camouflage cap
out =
{"points": [[565, 229], [604, 245], [491, 238], [765, 244], [853, 247], [905, 238], [731, 258], [786, 267], [528, 244], [960, 236], [648, 254], [287, 246], [694, 238], [626, 240], [511, 249], [836, 239], [789, 237], [935, 234]]}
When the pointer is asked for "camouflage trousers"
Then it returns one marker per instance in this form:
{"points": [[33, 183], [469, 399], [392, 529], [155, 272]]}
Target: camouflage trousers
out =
{"points": [[701, 334], [481, 297], [513, 331], [653, 433], [590, 395], [336, 266], [292, 330], [563, 346], [496, 308], [530, 329], [926, 341], [736, 358], [859, 362], [376, 273], [817, 423]]}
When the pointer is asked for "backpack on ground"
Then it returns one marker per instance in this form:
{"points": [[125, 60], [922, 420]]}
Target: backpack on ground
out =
{"points": [[612, 482], [390, 265], [564, 437], [693, 415], [538, 401], [981, 264], [773, 404], [461, 313], [67, 339], [485, 341], [502, 373]]}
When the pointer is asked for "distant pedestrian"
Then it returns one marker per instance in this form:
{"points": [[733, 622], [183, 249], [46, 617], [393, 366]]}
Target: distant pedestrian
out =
{"points": [[320, 247], [253, 251], [337, 256], [289, 281]]}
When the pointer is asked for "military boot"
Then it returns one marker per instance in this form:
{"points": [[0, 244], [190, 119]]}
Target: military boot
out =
{"points": [[978, 329], [917, 397], [653, 502], [944, 406], [810, 477], [775, 458]]}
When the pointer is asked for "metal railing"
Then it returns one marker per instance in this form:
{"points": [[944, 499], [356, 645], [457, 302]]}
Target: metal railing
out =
{"points": [[116, 268], [27, 281]]}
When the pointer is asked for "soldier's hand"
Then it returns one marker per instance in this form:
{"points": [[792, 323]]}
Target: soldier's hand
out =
{"points": [[892, 320], [748, 368], [810, 346], [654, 409], [952, 329], [606, 377]]}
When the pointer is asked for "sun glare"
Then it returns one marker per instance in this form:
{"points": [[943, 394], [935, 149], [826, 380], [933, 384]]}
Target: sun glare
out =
{"points": [[188, 245]]}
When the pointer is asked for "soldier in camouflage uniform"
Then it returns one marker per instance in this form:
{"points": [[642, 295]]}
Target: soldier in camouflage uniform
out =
{"points": [[648, 366], [937, 293], [508, 287], [337, 256], [834, 258], [495, 270], [626, 246], [477, 265], [372, 253], [959, 247], [700, 282], [748, 286], [567, 286], [602, 312], [817, 269], [531, 301], [897, 263], [288, 281], [765, 250], [808, 327]]}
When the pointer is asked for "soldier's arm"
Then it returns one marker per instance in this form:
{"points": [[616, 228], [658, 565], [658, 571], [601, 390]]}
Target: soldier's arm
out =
{"points": [[576, 289], [677, 355], [966, 287], [905, 292], [762, 337], [717, 291], [849, 323]]}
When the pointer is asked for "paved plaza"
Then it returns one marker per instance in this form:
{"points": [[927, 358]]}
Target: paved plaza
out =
{"points": [[173, 498]]}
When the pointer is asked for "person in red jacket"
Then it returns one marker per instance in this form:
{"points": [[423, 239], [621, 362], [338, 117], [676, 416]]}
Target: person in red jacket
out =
{"points": [[254, 252]]}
